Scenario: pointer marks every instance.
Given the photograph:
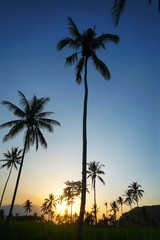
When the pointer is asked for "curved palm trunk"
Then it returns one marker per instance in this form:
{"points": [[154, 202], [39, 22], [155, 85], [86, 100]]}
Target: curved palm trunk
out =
{"points": [[5, 186], [17, 183], [84, 157]]}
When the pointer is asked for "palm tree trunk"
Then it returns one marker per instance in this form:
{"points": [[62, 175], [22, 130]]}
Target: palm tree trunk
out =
{"points": [[84, 157], [5, 186], [17, 183], [95, 204]]}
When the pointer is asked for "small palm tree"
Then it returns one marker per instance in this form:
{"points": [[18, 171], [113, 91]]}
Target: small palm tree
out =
{"points": [[27, 206], [69, 196], [106, 205], [32, 119], [118, 8], [50, 203], [86, 45], [94, 171], [60, 201], [12, 159], [115, 209], [120, 202], [129, 198], [136, 192]]}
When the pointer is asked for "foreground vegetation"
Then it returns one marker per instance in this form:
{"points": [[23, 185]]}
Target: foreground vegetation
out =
{"points": [[44, 231]]}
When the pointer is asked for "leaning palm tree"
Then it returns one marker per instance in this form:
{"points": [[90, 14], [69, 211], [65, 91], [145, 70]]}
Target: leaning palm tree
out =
{"points": [[31, 119], [12, 159], [94, 171], [86, 45], [136, 192], [27, 206], [118, 8]]}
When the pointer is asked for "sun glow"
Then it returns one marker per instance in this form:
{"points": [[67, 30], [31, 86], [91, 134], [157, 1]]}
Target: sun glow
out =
{"points": [[61, 208]]}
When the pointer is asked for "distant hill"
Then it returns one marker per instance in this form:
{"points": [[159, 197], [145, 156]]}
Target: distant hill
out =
{"points": [[145, 215], [18, 209]]}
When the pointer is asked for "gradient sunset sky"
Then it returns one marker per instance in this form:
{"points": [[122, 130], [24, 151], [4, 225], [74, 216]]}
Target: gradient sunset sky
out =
{"points": [[123, 113]]}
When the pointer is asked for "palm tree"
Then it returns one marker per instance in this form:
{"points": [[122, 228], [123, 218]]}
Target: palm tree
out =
{"points": [[94, 170], [129, 198], [115, 209], [69, 196], [49, 204], [106, 205], [31, 118], [118, 8], [27, 206], [12, 159], [136, 192], [85, 45], [120, 202], [60, 201]]}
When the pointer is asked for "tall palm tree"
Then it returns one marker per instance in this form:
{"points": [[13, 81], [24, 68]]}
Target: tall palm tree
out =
{"points": [[85, 44], [94, 171], [12, 159], [32, 119], [120, 202], [136, 192], [27, 206], [118, 8]]}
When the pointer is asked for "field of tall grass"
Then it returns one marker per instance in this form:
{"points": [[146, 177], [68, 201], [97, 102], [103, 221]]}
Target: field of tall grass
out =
{"points": [[45, 231]]}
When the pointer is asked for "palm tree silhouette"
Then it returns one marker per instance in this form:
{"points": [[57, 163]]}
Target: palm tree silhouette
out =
{"points": [[60, 201], [128, 198], [106, 205], [136, 192], [85, 44], [118, 8], [31, 118], [27, 206], [120, 202], [12, 159], [49, 204], [94, 170], [115, 209]]}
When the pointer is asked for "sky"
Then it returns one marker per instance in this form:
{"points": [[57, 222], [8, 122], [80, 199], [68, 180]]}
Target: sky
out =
{"points": [[123, 113]]}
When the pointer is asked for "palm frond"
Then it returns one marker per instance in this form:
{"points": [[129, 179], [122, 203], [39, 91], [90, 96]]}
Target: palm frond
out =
{"points": [[47, 124], [105, 37], [117, 10], [16, 110], [73, 29], [41, 139], [23, 101], [14, 131], [78, 70], [43, 114], [67, 42], [71, 59], [101, 67]]}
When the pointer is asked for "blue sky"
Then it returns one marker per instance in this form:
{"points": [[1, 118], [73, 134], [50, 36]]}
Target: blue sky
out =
{"points": [[123, 113]]}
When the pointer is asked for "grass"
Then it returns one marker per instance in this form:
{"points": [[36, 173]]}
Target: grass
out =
{"points": [[45, 231]]}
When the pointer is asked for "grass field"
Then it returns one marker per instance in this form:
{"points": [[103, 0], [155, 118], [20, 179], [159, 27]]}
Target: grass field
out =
{"points": [[45, 231]]}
